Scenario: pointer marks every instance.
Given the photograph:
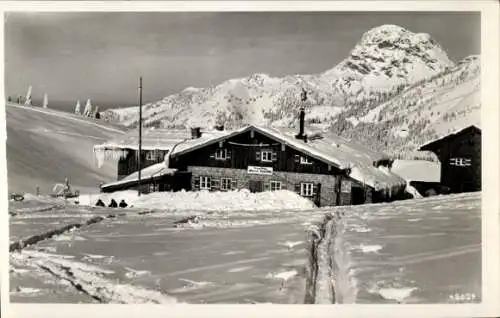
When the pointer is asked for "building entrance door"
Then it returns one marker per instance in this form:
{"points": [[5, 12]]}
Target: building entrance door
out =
{"points": [[256, 186], [357, 195]]}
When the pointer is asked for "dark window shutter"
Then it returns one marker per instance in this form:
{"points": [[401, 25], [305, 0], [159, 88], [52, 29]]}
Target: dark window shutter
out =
{"points": [[274, 156], [316, 188], [297, 158], [257, 155], [214, 183], [297, 188], [234, 185], [229, 154], [212, 156], [266, 186], [197, 183]]}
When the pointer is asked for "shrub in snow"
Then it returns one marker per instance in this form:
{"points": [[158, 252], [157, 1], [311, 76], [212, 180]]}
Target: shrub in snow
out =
{"points": [[88, 109], [28, 96], [45, 101], [77, 108], [95, 112]]}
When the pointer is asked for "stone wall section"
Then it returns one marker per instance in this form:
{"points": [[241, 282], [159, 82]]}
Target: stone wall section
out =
{"points": [[241, 179]]}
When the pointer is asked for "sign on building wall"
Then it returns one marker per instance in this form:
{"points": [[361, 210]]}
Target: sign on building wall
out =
{"points": [[460, 162], [260, 170], [345, 186]]}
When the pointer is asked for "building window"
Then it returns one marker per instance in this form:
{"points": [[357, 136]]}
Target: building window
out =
{"points": [[205, 183], [305, 161], [225, 183], [345, 186], [266, 156], [275, 185], [154, 187], [460, 162], [306, 189], [151, 155], [221, 154]]}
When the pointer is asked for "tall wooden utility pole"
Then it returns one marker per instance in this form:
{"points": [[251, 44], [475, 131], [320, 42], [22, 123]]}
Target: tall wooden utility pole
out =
{"points": [[140, 134]]}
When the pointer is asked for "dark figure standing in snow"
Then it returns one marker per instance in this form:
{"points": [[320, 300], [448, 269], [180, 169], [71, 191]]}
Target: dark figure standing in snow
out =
{"points": [[123, 204], [113, 204], [100, 203]]}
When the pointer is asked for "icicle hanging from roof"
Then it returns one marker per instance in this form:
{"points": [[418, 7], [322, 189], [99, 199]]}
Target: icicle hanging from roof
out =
{"points": [[104, 154]]}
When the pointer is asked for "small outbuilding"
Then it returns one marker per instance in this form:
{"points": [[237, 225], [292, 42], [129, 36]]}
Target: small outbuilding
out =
{"points": [[460, 157]]}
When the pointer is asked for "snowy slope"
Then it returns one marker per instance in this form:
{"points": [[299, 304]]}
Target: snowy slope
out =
{"points": [[447, 102], [415, 251], [44, 146], [387, 59], [417, 170]]}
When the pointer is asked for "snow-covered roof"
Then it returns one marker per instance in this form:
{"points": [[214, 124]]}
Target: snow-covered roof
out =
{"points": [[330, 148], [152, 139], [458, 130], [342, 153], [156, 170]]}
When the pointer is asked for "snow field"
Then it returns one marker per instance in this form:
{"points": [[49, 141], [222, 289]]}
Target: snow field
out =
{"points": [[261, 263], [416, 251]]}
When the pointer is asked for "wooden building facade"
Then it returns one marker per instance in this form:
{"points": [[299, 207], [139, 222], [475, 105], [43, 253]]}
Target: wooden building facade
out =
{"points": [[460, 157]]}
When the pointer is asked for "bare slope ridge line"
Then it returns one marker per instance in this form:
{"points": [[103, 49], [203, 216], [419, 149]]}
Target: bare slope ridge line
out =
{"points": [[44, 147], [67, 116]]}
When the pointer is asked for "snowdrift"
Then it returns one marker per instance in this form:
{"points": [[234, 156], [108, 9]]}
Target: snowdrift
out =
{"points": [[205, 201]]}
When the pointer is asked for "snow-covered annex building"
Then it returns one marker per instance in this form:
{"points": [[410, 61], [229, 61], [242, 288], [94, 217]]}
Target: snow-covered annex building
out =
{"points": [[315, 164], [460, 155]]}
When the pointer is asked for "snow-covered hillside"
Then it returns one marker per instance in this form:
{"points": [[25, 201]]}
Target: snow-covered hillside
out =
{"points": [[44, 146], [389, 71], [429, 109]]}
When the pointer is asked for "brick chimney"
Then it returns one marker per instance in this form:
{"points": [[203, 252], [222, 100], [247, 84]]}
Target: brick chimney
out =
{"points": [[195, 132], [302, 116]]}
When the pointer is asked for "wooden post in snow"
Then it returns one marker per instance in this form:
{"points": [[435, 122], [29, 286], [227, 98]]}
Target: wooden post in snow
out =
{"points": [[140, 134]]}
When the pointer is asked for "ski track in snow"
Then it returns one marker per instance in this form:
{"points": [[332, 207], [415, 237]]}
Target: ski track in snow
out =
{"points": [[91, 279]]}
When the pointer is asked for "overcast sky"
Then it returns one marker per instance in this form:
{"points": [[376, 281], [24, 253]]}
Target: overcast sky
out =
{"points": [[100, 55]]}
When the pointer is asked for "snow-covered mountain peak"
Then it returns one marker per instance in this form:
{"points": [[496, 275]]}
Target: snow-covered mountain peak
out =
{"points": [[386, 56], [384, 32], [191, 89]]}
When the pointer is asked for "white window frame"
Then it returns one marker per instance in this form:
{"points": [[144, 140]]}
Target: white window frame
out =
{"points": [[151, 155], [460, 162], [266, 155], [306, 189], [205, 183], [305, 161], [221, 154], [154, 187], [275, 185], [226, 187]]}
